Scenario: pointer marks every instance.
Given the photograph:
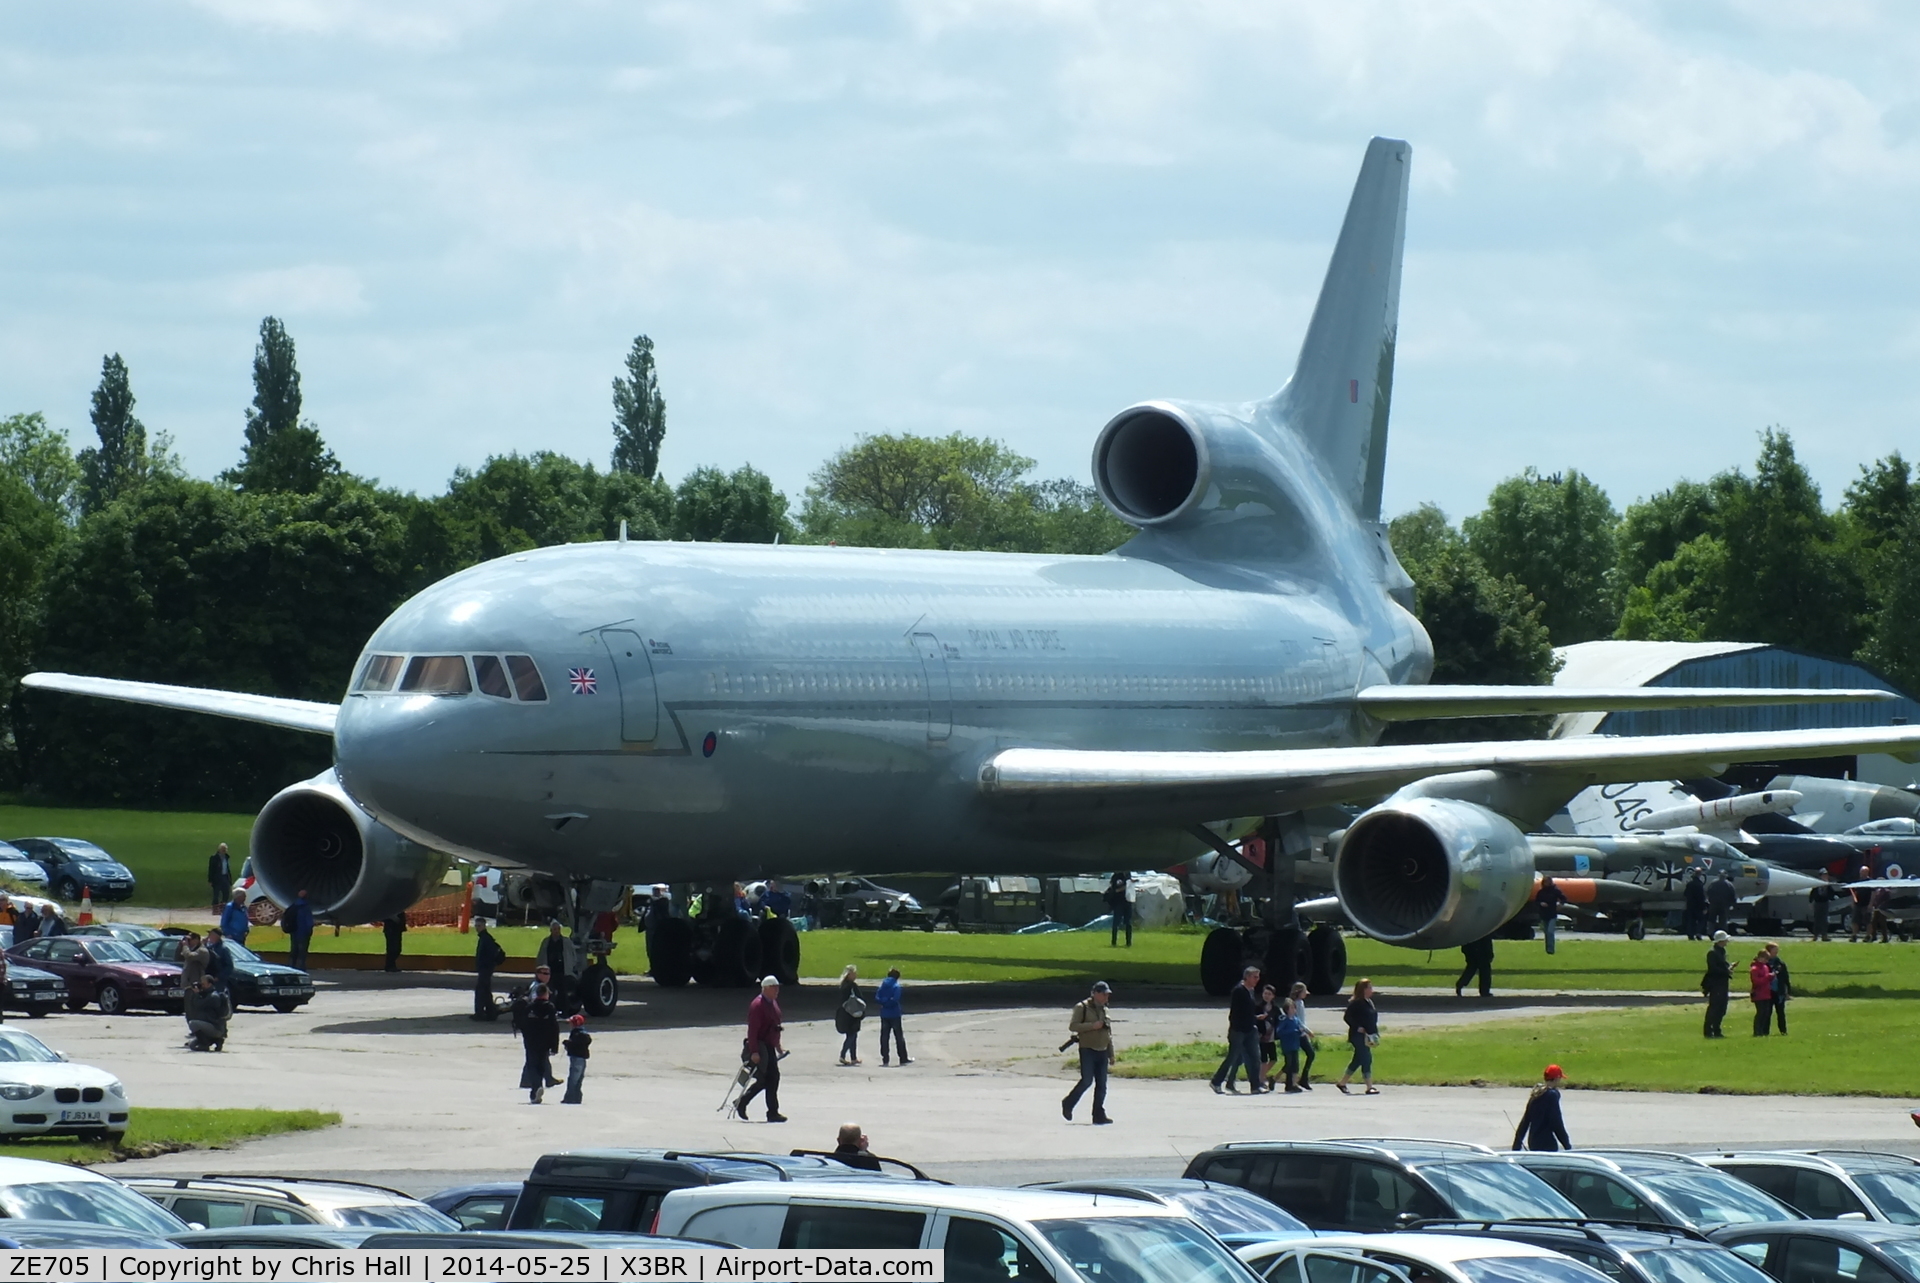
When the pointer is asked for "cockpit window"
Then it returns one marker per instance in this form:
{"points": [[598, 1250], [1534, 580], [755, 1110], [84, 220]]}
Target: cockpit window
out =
{"points": [[437, 675], [490, 677], [380, 673], [526, 677]]}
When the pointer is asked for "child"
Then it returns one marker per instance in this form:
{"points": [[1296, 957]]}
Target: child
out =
{"points": [[1264, 1020], [1288, 1032], [578, 1040]]}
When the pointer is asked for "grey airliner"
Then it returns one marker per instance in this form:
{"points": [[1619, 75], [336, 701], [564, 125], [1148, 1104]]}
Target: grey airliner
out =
{"points": [[627, 712]]}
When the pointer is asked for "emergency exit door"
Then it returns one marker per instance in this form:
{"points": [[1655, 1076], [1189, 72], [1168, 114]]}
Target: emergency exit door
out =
{"points": [[933, 662], [639, 701]]}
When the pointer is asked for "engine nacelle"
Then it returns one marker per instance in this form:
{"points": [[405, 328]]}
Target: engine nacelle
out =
{"points": [[312, 837], [1432, 873]]}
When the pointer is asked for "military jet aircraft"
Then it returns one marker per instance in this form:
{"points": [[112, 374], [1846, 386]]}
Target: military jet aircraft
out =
{"points": [[629, 712]]}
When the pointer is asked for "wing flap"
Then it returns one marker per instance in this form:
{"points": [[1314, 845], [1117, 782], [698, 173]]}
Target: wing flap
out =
{"points": [[1406, 703], [290, 714]]}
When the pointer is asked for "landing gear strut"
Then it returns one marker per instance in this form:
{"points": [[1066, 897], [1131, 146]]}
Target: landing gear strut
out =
{"points": [[719, 948], [1277, 945], [592, 982]]}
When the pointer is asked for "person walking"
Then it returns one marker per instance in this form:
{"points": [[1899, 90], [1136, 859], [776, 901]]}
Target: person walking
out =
{"points": [[1548, 900], [1299, 997], [487, 957], [207, 1011], [234, 923], [1760, 990], [1541, 1127], [1093, 1028], [1716, 984], [219, 876], [539, 1040], [297, 922], [1695, 916], [887, 998], [1862, 907], [1243, 1039], [579, 1043], [1363, 1034], [1777, 966], [1287, 1031], [1880, 922], [394, 928], [1821, 898], [1721, 897], [1119, 898], [1266, 1023], [848, 1015], [850, 1147], [1479, 962], [26, 925], [763, 1051]]}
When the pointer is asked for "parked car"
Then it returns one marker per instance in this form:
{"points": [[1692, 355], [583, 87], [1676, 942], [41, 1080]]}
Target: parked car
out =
{"points": [[1653, 1188], [1233, 1214], [32, 1190], [17, 866], [247, 1237], [862, 902], [515, 1241], [1627, 1255], [1027, 1234], [131, 932], [1414, 1258], [477, 1207], [255, 982], [115, 976], [1830, 1184], [1829, 1251], [1363, 1185], [74, 864], [18, 1234], [30, 989], [225, 1202], [42, 1093]]}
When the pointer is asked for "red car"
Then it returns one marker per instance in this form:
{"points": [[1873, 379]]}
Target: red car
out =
{"points": [[110, 973]]}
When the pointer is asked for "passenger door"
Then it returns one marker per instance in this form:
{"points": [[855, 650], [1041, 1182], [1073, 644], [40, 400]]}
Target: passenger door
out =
{"points": [[639, 699], [64, 957], [1820, 1195], [1597, 1194], [1309, 1266], [1380, 1196], [837, 1225], [981, 1251], [1808, 1259], [933, 663], [211, 1213]]}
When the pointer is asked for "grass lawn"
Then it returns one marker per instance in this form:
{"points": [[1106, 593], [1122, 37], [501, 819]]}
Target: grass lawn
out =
{"points": [[167, 850], [1838, 1047], [166, 1131]]}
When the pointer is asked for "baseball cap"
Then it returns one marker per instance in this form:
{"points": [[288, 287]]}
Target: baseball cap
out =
{"points": [[1721, 937], [1553, 1071], [769, 980], [577, 1021], [1100, 986]]}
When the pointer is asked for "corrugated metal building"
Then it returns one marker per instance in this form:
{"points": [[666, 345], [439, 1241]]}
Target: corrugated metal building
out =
{"points": [[1633, 663]]}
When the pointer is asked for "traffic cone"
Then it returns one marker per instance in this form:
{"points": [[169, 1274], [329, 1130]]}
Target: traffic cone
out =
{"points": [[86, 907]]}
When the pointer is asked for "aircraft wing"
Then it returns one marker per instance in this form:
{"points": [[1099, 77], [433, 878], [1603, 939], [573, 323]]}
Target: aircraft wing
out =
{"points": [[1315, 776], [292, 714], [1406, 703]]}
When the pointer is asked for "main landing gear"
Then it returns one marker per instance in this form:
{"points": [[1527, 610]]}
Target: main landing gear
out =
{"points": [[718, 947]]}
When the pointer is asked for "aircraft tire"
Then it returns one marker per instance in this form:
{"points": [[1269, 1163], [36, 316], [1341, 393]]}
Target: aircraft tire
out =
{"points": [[736, 954], [1328, 973], [1221, 959], [780, 950], [599, 990], [670, 952], [1281, 965], [1637, 929]]}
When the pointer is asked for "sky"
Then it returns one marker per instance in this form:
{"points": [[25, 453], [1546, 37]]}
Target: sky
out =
{"points": [[1638, 235]]}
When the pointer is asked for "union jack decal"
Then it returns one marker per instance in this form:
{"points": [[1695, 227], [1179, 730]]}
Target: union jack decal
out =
{"points": [[583, 681]]}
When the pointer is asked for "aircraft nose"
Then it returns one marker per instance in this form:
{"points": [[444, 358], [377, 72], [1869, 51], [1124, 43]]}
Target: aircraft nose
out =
{"points": [[390, 751]]}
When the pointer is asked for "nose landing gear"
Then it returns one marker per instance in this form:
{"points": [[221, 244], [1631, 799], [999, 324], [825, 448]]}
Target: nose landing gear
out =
{"points": [[718, 947]]}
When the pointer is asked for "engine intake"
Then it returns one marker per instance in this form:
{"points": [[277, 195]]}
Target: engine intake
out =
{"points": [[312, 837], [1432, 873], [1150, 464]]}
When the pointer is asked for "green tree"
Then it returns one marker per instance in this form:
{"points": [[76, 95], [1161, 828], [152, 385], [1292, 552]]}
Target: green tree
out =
{"points": [[1787, 581], [711, 506], [40, 457], [119, 464], [639, 414], [284, 453], [1553, 535], [513, 502], [1653, 530], [1679, 600]]}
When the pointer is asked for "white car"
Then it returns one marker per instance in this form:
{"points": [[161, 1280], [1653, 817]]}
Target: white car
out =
{"points": [[988, 1234], [32, 1190], [41, 1092], [1413, 1258], [18, 866], [226, 1202]]}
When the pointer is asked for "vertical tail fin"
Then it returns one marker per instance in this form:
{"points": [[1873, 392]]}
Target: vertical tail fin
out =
{"points": [[1339, 395]]}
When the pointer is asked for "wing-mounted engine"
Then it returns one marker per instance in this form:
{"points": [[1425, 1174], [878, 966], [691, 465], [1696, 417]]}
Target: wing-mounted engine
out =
{"points": [[1432, 873], [312, 837]]}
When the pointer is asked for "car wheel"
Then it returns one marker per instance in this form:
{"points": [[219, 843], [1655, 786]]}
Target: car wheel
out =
{"points": [[39, 1011], [286, 1008], [112, 1002], [67, 890], [670, 952], [1221, 958], [176, 1009], [76, 1003]]}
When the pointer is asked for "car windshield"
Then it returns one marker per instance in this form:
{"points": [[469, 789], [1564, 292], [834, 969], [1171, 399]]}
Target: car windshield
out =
{"points": [[1896, 1194], [105, 950], [1124, 1249], [24, 1049], [240, 953], [1495, 1191], [1904, 1250], [398, 1216], [1714, 1198], [1697, 1265], [97, 1202], [83, 850], [1229, 1211], [1529, 1269]]}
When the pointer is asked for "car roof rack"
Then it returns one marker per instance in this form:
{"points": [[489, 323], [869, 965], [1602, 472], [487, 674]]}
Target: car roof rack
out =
{"points": [[1388, 1142], [897, 1162], [1584, 1224], [1625, 1151], [1856, 1153], [258, 1178], [674, 1155]]}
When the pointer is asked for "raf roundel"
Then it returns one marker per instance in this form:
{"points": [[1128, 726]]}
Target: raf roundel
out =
{"points": [[583, 681], [708, 744]]}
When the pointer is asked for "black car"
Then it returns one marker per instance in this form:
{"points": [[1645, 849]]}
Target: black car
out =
{"points": [[74, 865], [618, 1191], [1234, 1215], [1652, 1188], [31, 990], [1631, 1254], [256, 982], [1366, 1185], [477, 1207], [1828, 1251]]}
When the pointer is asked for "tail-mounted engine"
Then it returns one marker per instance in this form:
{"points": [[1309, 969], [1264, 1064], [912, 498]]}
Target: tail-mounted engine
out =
{"points": [[1432, 873], [312, 837]]}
